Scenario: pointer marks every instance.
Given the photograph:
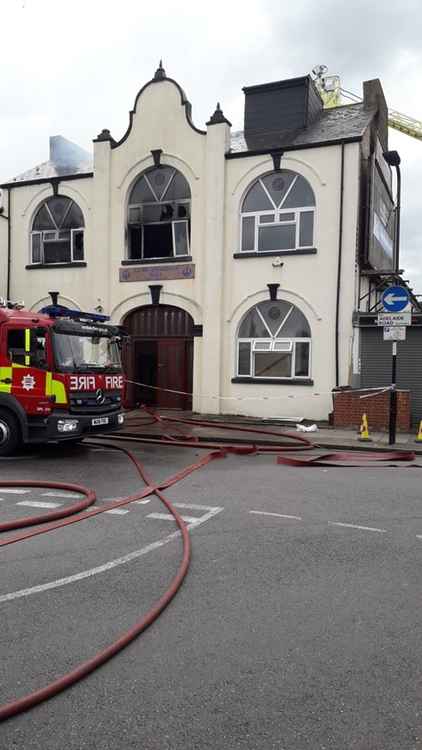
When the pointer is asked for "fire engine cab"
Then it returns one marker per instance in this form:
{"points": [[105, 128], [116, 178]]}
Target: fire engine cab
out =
{"points": [[60, 375]]}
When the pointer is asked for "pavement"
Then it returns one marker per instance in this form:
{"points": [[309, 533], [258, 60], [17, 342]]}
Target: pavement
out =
{"points": [[297, 628], [138, 423]]}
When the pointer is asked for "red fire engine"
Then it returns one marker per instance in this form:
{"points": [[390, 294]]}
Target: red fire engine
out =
{"points": [[60, 375]]}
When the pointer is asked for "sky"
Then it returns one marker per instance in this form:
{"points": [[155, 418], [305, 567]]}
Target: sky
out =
{"points": [[74, 68]]}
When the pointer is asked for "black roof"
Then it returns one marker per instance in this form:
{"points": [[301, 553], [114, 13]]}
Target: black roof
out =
{"points": [[347, 122]]}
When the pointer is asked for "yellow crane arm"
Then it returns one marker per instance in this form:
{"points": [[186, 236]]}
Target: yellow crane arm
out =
{"points": [[405, 124], [331, 91]]}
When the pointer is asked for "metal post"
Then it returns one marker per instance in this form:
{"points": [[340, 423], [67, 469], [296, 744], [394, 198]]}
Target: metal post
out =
{"points": [[393, 398], [397, 227]]}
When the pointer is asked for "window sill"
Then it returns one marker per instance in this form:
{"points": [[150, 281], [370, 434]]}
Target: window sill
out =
{"points": [[154, 261], [75, 264], [304, 251], [273, 381]]}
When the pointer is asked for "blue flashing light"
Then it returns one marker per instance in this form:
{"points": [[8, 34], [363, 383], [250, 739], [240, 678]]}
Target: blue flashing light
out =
{"points": [[59, 311]]}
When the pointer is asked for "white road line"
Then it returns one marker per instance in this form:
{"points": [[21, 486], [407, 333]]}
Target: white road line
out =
{"points": [[117, 511], [169, 517], [143, 502], [63, 494], [6, 490], [192, 506], [354, 526], [277, 515], [107, 566], [418, 536], [39, 504]]}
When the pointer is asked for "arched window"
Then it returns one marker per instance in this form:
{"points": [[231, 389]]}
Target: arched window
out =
{"points": [[57, 234], [159, 215], [278, 214], [274, 341]]}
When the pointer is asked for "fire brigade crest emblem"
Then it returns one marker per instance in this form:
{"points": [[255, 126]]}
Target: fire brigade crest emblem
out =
{"points": [[28, 382]]}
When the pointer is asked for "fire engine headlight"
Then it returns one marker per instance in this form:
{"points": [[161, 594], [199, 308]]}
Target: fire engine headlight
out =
{"points": [[120, 418], [67, 425]]}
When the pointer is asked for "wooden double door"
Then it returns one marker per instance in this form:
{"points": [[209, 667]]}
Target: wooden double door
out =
{"points": [[159, 353], [166, 364]]}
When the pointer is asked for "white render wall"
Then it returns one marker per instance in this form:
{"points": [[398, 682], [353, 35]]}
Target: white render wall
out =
{"points": [[224, 288]]}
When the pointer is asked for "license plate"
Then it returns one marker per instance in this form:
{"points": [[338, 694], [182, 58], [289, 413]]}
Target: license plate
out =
{"points": [[99, 420]]}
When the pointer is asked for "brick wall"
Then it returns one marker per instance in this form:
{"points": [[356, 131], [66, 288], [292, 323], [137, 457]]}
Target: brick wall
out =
{"points": [[349, 408]]}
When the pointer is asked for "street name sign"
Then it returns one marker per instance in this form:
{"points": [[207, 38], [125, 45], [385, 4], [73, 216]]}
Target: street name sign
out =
{"points": [[395, 299], [394, 333], [394, 319]]}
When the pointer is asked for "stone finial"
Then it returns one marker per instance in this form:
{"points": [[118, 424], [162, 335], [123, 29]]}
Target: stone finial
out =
{"points": [[218, 117], [160, 73], [105, 135]]}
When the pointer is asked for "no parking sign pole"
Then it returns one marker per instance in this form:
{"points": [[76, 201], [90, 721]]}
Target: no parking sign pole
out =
{"points": [[395, 300]]}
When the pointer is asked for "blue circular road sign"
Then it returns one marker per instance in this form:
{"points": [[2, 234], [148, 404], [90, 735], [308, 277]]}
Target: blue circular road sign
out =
{"points": [[395, 298]]}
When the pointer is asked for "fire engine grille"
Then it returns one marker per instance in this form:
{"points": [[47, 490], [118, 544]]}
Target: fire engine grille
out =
{"points": [[82, 402]]}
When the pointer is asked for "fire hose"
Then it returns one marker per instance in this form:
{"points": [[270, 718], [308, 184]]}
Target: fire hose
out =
{"points": [[84, 510]]}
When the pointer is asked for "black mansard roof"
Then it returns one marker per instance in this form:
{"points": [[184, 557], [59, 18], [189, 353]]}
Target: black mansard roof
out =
{"points": [[347, 122]]}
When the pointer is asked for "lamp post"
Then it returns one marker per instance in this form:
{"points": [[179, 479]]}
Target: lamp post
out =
{"points": [[393, 159]]}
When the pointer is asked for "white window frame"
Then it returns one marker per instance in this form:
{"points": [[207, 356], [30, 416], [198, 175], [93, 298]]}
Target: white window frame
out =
{"points": [[273, 340], [292, 342], [54, 238], [277, 212]]}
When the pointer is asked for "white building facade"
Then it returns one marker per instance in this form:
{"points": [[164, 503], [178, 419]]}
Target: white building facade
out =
{"points": [[233, 259]]}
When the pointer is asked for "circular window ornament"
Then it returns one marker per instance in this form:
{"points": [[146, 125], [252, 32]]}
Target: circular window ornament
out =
{"points": [[274, 313], [159, 179], [278, 184]]}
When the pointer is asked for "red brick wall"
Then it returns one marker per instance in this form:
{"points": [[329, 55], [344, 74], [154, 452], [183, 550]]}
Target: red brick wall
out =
{"points": [[349, 408]]}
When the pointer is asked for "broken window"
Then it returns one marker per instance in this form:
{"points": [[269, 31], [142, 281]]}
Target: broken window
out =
{"points": [[57, 232], [274, 341], [159, 215]]}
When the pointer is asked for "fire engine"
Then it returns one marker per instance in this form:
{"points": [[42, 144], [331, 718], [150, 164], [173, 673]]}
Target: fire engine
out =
{"points": [[60, 375]]}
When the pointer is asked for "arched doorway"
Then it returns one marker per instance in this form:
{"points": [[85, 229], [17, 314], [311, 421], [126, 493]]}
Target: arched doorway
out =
{"points": [[160, 354]]}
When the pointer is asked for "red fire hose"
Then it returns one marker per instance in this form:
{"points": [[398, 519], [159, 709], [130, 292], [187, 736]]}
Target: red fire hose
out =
{"points": [[72, 514]]}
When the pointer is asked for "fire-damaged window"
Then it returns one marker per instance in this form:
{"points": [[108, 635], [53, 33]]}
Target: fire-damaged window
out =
{"points": [[274, 341], [159, 215], [57, 232], [278, 214]]}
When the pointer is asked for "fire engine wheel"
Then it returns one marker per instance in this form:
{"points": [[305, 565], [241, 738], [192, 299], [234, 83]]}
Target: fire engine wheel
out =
{"points": [[9, 432]]}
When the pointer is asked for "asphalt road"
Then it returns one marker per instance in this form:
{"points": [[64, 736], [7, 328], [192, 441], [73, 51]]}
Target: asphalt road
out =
{"points": [[298, 626]]}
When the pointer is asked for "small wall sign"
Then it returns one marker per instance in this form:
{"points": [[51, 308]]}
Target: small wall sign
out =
{"points": [[157, 273]]}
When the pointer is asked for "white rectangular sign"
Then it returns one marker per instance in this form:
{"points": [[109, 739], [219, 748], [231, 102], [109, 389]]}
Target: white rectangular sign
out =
{"points": [[394, 319], [395, 333]]}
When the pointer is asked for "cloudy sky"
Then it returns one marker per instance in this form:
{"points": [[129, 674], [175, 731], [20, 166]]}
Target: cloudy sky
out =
{"points": [[73, 68]]}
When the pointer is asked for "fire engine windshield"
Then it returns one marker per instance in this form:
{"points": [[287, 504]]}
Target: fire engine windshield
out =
{"points": [[85, 352]]}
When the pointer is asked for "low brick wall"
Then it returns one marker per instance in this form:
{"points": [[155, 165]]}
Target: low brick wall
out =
{"points": [[349, 408]]}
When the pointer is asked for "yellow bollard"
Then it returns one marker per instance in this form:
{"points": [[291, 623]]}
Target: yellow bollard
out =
{"points": [[418, 438], [364, 430]]}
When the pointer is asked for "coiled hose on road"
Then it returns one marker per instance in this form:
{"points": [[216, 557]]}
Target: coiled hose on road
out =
{"points": [[73, 514]]}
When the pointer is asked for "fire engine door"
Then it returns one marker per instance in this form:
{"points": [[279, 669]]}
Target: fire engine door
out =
{"points": [[26, 352]]}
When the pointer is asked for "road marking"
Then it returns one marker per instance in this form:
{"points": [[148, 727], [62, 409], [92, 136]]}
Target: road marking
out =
{"points": [[63, 494], [39, 504], [213, 511], [143, 502], [117, 511], [192, 506], [418, 536], [6, 490], [170, 517], [277, 515], [354, 526]]}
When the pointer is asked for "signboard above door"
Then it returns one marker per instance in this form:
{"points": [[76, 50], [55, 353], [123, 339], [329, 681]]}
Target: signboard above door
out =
{"points": [[157, 273]]}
